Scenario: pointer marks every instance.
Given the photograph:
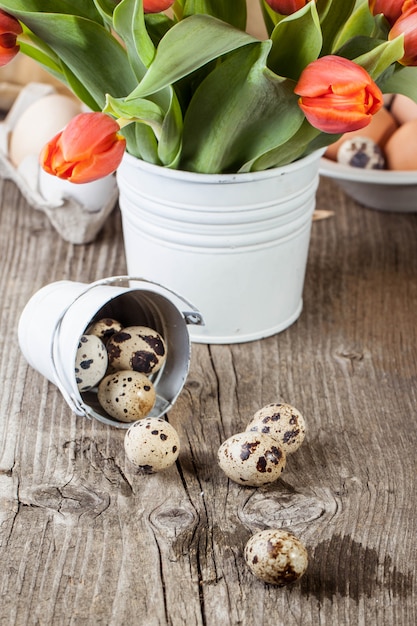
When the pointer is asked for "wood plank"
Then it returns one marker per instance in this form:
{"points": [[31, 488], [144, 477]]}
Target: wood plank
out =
{"points": [[86, 539]]}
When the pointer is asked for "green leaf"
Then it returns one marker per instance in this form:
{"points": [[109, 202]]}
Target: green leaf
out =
{"points": [[143, 111], [361, 21], [186, 47], [270, 17], [78, 88], [33, 48], [335, 16], [296, 42], [106, 8], [240, 111], [358, 46], [167, 128], [403, 80], [95, 57], [157, 25], [69, 7], [171, 136], [43, 55], [291, 150], [129, 23], [377, 60], [233, 13], [141, 142]]}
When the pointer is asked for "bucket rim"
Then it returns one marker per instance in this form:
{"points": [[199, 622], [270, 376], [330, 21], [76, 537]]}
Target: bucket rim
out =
{"points": [[232, 178]]}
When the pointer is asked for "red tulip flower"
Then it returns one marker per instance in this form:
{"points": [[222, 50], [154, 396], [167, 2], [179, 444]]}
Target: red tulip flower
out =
{"points": [[10, 28], [391, 9], [409, 4], [156, 6], [286, 7], [337, 95], [407, 25], [90, 147]]}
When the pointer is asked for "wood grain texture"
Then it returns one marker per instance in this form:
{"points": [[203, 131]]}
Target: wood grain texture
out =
{"points": [[85, 539]]}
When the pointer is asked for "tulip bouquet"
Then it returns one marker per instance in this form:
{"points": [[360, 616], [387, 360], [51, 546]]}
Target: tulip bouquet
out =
{"points": [[181, 83]]}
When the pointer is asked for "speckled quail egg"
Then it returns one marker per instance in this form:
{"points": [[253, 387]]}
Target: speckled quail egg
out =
{"points": [[283, 422], [361, 152], [90, 362], [251, 459], [138, 348], [126, 395], [152, 444], [276, 557], [104, 328]]}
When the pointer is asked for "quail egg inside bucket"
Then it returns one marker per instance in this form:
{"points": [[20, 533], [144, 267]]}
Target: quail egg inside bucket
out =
{"points": [[90, 362], [138, 348], [126, 395], [105, 328]]}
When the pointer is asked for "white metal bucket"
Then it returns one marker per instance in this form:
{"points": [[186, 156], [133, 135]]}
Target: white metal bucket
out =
{"points": [[56, 316], [235, 244]]}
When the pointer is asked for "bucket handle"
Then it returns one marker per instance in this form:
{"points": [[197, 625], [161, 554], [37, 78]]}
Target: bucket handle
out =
{"points": [[193, 316]]}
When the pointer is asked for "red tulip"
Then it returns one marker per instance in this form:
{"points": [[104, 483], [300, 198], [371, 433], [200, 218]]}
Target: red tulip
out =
{"points": [[10, 28], [409, 4], [337, 95], [88, 148], [156, 6], [407, 25], [286, 7], [391, 9]]}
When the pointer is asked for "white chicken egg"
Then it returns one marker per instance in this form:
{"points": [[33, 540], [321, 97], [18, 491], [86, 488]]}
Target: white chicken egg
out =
{"points": [[251, 458], [138, 348], [39, 123], [276, 557], [126, 395], [152, 444], [283, 422], [90, 362]]}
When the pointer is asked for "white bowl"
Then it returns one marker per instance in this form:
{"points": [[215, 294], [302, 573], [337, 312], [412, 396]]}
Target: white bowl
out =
{"points": [[378, 189]]}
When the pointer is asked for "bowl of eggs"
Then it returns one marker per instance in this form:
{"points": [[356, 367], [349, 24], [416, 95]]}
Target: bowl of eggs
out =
{"points": [[377, 165]]}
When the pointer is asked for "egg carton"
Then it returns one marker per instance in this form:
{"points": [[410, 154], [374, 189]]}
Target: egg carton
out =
{"points": [[76, 221]]}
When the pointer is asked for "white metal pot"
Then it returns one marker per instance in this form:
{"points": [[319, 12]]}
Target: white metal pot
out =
{"points": [[236, 245]]}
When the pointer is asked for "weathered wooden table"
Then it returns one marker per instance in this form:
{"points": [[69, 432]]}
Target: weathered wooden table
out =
{"points": [[86, 539]]}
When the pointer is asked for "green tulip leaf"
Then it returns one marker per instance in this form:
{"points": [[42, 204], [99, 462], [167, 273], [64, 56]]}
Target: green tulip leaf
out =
{"points": [[171, 136], [333, 20], [233, 13], [377, 60], [141, 142], [143, 111], [402, 80], [360, 21], [240, 111], [105, 8], [290, 151], [89, 51], [167, 128], [19, 8], [186, 47], [296, 42], [129, 23]]}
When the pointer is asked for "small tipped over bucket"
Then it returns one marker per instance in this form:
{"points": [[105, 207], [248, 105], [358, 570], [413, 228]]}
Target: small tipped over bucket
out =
{"points": [[56, 317]]}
